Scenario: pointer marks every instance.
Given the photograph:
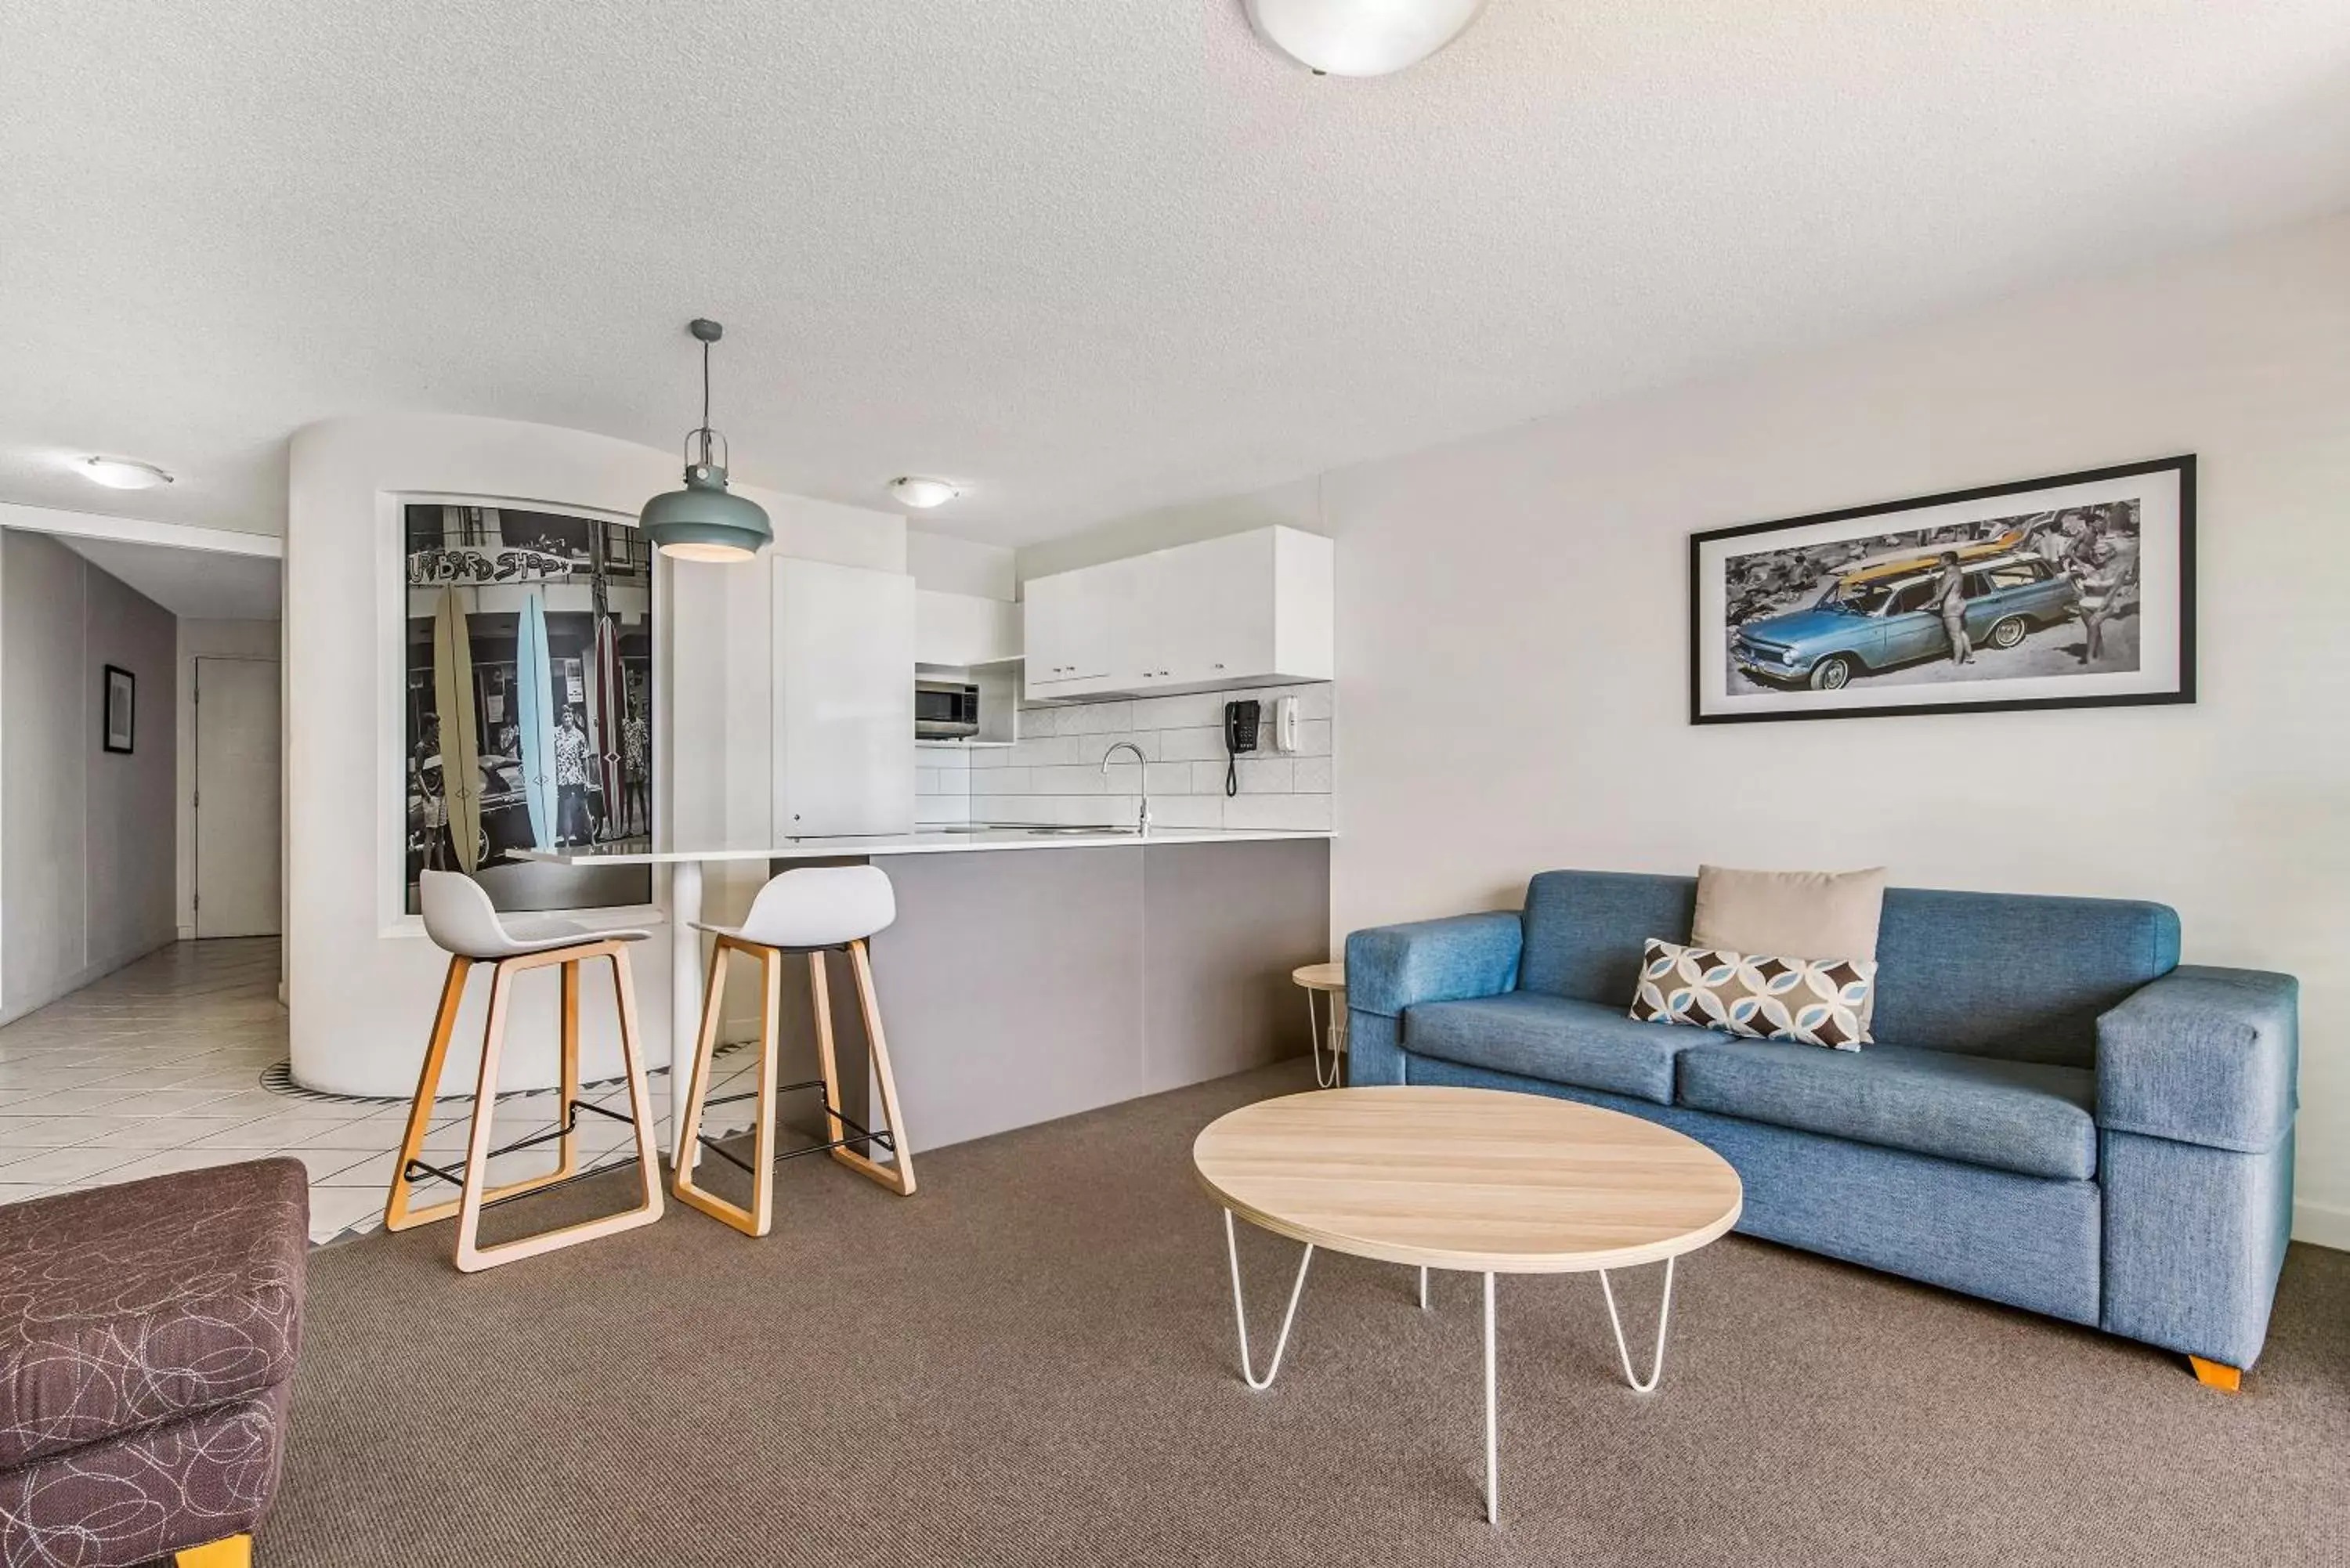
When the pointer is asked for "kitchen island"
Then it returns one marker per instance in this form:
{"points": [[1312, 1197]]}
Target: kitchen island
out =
{"points": [[1033, 973]]}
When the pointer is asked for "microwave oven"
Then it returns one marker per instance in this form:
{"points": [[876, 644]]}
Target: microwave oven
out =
{"points": [[945, 710]]}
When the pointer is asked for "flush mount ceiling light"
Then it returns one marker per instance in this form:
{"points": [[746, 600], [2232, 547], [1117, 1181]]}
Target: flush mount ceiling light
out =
{"points": [[703, 521], [914, 491], [1361, 38], [120, 473]]}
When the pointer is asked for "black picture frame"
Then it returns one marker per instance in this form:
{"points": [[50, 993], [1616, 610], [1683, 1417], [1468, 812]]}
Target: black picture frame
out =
{"points": [[119, 683], [1709, 652]]}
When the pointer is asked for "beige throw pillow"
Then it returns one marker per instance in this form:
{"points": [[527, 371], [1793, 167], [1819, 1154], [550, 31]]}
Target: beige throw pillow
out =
{"points": [[1802, 914]]}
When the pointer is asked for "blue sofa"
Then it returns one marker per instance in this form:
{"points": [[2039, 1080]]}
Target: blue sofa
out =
{"points": [[2058, 1116]]}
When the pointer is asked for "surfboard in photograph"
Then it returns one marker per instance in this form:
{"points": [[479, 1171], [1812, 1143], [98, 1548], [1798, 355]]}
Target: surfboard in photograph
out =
{"points": [[535, 717], [452, 698], [607, 706]]}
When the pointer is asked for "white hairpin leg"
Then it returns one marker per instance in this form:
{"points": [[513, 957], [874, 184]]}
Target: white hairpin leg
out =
{"points": [[1493, 1445], [1240, 1310], [1664, 1315], [1318, 1037]]}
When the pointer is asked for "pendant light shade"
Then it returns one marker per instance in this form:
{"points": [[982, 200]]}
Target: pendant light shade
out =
{"points": [[1361, 38], [705, 522]]}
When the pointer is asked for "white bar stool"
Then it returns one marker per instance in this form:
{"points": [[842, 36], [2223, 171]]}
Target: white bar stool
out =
{"points": [[1326, 980], [460, 918], [815, 910]]}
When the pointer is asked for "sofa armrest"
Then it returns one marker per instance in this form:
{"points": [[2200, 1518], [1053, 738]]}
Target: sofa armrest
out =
{"points": [[1390, 968], [2203, 1056]]}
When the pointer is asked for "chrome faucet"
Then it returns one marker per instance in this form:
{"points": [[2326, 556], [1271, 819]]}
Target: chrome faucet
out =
{"points": [[1143, 766]]}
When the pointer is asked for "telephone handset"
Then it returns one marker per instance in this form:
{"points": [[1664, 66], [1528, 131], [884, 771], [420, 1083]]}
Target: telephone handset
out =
{"points": [[1241, 719]]}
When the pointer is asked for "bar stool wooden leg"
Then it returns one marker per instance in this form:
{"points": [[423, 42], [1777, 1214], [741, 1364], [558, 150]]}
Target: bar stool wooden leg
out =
{"points": [[899, 1174], [820, 991], [697, 1074], [396, 1215], [758, 1219], [473, 1257], [640, 1096], [567, 1163]]}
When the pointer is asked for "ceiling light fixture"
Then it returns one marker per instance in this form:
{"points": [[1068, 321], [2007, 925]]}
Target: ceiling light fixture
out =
{"points": [[923, 494], [121, 473], [703, 521], [1361, 38]]}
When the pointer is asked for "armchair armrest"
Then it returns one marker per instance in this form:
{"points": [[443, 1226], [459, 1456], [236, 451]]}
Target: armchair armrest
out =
{"points": [[2202, 1056], [1390, 968]]}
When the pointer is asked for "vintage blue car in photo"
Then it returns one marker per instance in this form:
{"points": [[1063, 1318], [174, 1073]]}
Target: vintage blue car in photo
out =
{"points": [[1865, 623]]}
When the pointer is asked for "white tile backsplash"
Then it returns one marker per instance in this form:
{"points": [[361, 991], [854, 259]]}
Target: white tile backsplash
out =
{"points": [[1054, 775]]}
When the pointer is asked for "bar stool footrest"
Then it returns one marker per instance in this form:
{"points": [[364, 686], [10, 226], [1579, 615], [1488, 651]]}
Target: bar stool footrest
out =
{"points": [[416, 1169]]}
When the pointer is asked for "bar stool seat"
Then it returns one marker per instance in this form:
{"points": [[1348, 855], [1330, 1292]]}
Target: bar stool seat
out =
{"points": [[813, 911], [462, 921]]}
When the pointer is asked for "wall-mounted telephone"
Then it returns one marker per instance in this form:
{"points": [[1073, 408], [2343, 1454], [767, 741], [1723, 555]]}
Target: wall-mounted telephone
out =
{"points": [[1240, 721]]}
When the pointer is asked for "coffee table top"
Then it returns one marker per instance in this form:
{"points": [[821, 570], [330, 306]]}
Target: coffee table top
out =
{"points": [[1474, 1180]]}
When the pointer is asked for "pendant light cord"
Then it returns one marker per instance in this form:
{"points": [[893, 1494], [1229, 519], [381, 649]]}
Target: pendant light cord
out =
{"points": [[704, 432]]}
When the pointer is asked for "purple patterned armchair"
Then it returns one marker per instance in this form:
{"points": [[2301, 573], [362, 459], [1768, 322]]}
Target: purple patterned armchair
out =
{"points": [[148, 1338]]}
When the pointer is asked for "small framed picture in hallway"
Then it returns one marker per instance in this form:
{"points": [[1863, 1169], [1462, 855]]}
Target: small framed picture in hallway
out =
{"points": [[2073, 591], [121, 709]]}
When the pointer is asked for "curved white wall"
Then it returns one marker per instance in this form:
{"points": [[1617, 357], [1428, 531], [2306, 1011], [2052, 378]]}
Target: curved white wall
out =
{"points": [[361, 978]]}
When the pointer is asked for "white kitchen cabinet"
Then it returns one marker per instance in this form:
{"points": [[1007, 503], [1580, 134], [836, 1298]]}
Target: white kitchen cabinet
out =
{"points": [[1245, 609], [959, 630], [1075, 626], [844, 700]]}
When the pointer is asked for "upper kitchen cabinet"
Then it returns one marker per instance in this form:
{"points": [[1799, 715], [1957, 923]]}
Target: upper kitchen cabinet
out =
{"points": [[1243, 610], [960, 630]]}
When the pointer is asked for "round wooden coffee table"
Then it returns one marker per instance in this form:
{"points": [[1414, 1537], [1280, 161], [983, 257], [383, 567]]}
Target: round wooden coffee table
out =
{"points": [[1474, 1180]]}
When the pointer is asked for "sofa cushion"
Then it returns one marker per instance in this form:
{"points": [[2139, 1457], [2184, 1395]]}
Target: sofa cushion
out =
{"points": [[1585, 930], [2011, 975], [1984, 974], [124, 1306], [1583, 1043], [2027, 1117]]}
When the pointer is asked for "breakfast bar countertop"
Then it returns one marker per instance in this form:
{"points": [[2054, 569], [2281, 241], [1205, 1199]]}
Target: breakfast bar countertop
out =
{"points": [[928, 841]]}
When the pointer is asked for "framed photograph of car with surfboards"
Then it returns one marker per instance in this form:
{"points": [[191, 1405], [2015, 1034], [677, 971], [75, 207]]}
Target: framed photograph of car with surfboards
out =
{"points": [[2073, 591], [529, 693]]}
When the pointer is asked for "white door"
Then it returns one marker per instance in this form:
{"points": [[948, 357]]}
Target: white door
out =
{"points": [[236, 799]]}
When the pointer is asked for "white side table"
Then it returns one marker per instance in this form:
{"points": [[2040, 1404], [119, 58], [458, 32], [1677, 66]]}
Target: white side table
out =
{"points": [[1326, 980]]}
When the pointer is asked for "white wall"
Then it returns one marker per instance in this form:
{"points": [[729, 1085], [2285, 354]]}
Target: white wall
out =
{"points": [[204, 639], [1294, 505], [86, 834], [361, 976], [945, 565], [1512, 637]]}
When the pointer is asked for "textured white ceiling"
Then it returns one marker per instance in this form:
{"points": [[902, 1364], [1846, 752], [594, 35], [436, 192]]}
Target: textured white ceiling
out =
{"points": [[1087, 255], [200, 585]]}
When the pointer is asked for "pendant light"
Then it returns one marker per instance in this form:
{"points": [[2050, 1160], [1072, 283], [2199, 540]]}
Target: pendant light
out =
{"points": [[1361, 38], [703, 521]]}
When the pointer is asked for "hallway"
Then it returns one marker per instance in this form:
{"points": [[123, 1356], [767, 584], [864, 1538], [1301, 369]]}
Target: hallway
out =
{"points": [[159, 1067]]}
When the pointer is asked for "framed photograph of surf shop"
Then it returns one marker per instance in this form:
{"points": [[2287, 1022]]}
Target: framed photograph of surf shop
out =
{"points": [[2077, 590], [528, 699]]}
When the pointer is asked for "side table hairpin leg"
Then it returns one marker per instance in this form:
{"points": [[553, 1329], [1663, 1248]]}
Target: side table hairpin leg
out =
{"points": [[1240, 1310], [1664, 1315]]}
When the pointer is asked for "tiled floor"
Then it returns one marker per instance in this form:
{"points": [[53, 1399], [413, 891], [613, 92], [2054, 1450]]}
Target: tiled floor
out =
{"points": [[158, 1067]]}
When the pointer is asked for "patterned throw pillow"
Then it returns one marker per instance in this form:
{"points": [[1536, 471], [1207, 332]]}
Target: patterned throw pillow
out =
{"points": [[1816, 1001]]}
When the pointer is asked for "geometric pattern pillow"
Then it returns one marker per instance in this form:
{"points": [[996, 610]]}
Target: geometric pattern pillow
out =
{"points": [[1815, 1001]]}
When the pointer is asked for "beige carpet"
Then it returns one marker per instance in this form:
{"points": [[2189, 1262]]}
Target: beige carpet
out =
{"points": [[1032, 1362]]}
